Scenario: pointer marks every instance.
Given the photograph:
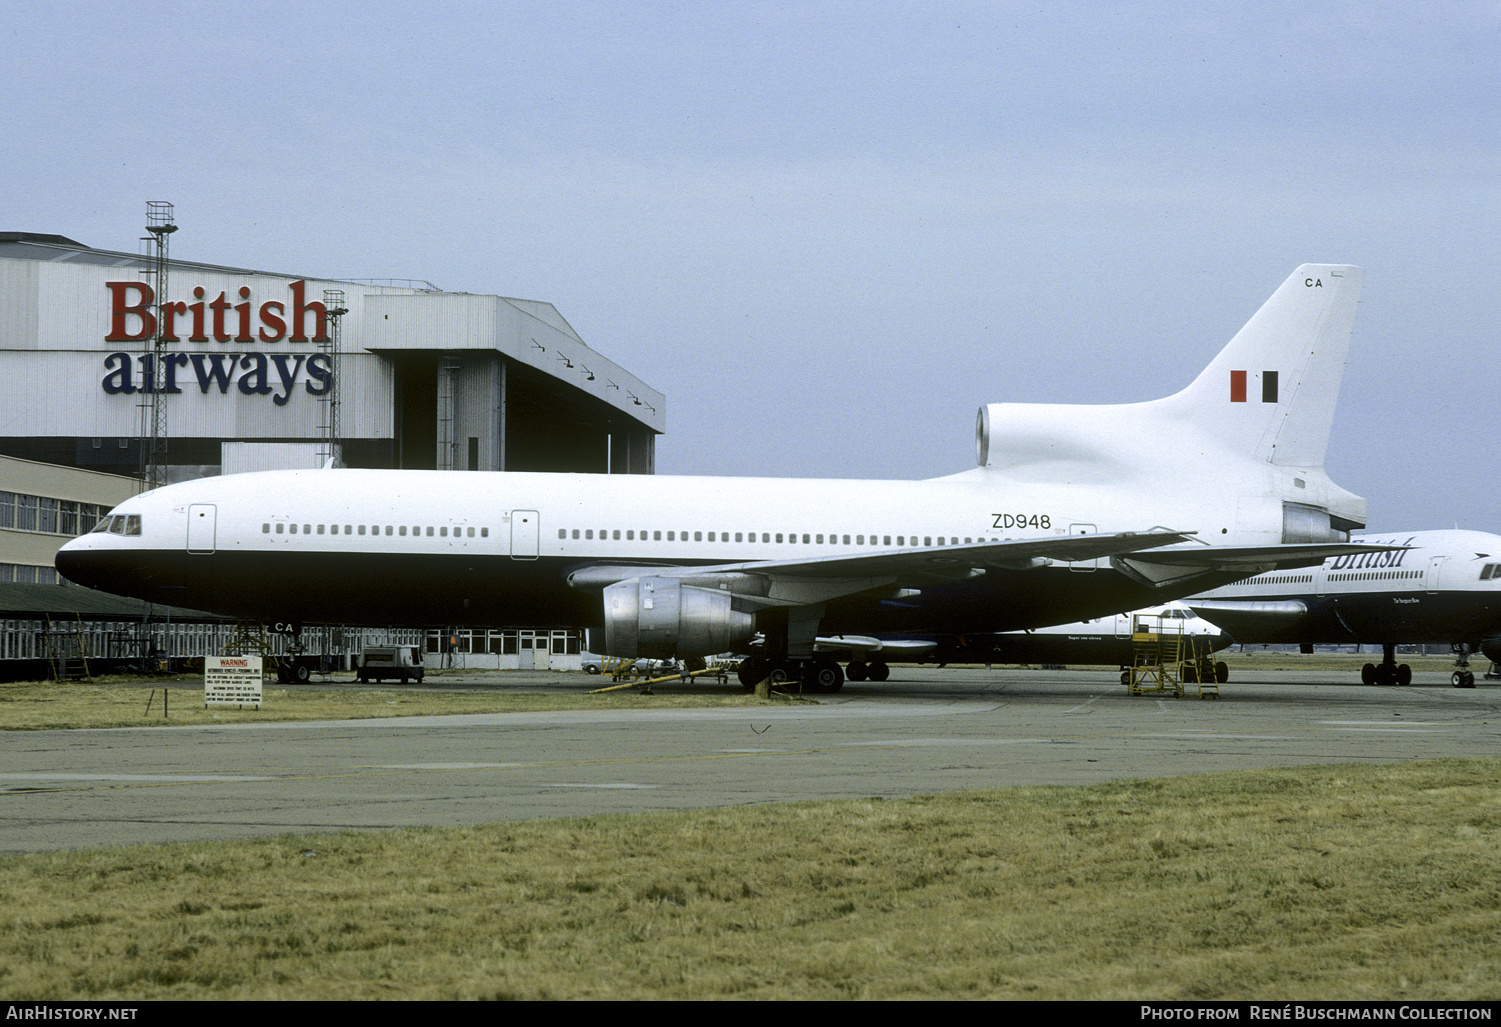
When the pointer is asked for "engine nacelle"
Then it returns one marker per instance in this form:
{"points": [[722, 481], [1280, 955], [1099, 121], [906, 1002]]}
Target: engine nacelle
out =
{"points": [[659, 618]]}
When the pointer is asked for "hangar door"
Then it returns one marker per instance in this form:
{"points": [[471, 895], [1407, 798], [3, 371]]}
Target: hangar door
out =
{"points": [[201, 518]]}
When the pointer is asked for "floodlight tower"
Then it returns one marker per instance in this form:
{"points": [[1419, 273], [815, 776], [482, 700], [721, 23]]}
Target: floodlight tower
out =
{"points": [[159, 222], [330, 450]]}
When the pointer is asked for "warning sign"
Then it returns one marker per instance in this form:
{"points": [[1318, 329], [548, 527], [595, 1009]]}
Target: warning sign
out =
{"points": [[232, 680]]}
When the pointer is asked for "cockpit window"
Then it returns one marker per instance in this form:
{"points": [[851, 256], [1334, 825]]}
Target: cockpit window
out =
{"points": [[121, 524], [103, 525]]}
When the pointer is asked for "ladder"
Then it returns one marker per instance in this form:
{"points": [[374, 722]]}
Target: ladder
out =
{"points": [[67, 652]]}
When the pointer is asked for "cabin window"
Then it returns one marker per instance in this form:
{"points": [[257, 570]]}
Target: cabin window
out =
{"points": [[779, 537], [819, 539], [443, 531], [390, 530], [429, 531], [859, 540], [616, 535], [362, 529], [320, 528], [265, 529], [485, 533]]}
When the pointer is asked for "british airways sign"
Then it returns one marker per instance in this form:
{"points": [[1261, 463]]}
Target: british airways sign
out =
{"points": [[135, 317]]}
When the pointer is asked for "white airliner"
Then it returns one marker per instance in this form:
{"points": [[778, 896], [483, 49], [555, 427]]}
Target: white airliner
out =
{"points": [[1444, 587], [1074, 512], [1100, 641]]}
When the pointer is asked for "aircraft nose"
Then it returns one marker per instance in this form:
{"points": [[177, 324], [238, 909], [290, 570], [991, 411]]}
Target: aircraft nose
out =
{"points": [[80, 563]]}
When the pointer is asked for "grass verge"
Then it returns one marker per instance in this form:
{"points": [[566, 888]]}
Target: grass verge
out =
{"points": [[1348, 882]]}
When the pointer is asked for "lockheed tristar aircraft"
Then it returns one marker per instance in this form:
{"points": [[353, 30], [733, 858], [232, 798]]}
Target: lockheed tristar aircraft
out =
{"points": [[1444, 587], [1073, 512]]}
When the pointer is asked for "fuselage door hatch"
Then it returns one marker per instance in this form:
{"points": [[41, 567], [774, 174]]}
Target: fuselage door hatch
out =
{"points": [[201, 520], [524, 534]]}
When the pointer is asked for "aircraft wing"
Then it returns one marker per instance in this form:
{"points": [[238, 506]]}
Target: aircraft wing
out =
{"points": [[1249, 619], [761, 583], [1168, 566]]}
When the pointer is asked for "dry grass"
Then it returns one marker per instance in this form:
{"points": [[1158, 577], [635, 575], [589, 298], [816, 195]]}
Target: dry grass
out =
{"points": [[1327, 883], [39, 705]]}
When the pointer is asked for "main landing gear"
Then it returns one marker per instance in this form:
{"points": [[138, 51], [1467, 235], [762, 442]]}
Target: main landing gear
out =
{"points": [[820, 674], [1388, 671], [859, 670], [1463, 676]]}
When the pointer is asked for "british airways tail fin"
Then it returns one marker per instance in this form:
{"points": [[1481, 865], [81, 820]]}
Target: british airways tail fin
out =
{"points": [[1271, 392]]}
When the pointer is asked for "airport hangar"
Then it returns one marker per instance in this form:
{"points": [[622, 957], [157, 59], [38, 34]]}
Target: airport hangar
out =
{"points": [[265, 370]]}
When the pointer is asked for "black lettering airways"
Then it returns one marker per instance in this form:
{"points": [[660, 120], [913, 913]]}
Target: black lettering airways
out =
{"points": [[253, 374]]}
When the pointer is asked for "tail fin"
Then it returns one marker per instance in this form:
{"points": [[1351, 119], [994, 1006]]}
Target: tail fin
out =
{"points": [[1272, 390]]}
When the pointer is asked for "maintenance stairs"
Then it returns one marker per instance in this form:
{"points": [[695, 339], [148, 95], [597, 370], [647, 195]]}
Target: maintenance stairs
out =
{"points": [[1163, 657]]}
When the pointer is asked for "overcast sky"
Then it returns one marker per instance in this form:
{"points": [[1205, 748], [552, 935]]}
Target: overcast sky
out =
{"points": [[830, 231]]}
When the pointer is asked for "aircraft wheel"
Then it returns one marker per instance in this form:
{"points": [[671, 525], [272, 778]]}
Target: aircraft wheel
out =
{"points": [[1221, 672], [827, 677], [1463, 679], [301, 673], [1404, 675], [858, 671], [1368, 674], [779, 673], [751, 671], [879, 672], [1126, 678]]}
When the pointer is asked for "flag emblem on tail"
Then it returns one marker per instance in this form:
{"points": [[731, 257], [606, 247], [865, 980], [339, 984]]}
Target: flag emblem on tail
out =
{"points": [[1268, 386]]}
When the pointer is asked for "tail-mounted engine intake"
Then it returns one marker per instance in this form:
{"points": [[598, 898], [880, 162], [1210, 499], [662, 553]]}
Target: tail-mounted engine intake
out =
{"points": [[659, 618]]}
